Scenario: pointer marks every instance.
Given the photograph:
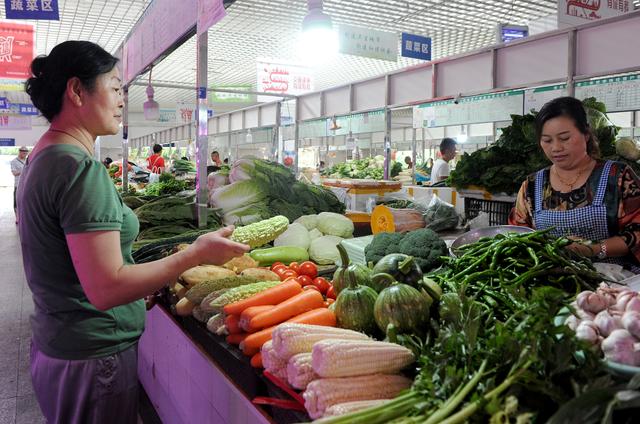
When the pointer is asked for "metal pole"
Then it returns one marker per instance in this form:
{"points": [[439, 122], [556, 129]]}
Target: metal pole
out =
{"points": [[276, 132], [414, 146], [387, 143], [571, 63], [295, 138], [202, 140], [125, 141]]}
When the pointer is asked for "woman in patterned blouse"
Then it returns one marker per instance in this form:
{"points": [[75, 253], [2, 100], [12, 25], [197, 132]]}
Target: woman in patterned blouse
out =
{"points": [[594, 202]]}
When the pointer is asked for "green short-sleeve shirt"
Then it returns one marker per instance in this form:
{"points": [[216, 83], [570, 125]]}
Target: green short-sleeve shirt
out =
{"points": [[65, 191]]}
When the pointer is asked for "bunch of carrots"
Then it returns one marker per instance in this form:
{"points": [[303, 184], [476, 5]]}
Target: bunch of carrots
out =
{"points": [[251, 321]]}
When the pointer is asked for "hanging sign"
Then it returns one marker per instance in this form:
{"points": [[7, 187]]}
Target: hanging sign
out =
{"points": [[186, 113], [7, 142], [535, 98], [493, 107], [32, 9], [368, 42], [619, 94], [283, 78], [27, 109], [16, 50], [576, 12], [416, 46], [222, 97], [210, 12], [15, 122], [4, 103]]}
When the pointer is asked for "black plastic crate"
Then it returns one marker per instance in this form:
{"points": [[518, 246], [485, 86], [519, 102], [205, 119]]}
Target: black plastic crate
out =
{"points": [[498, 210]]}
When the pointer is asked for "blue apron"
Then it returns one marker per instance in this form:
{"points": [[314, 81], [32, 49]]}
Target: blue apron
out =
{"points": [[589, 222]]}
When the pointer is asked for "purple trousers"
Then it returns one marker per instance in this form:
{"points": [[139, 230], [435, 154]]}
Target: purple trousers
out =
{"points": [[94, 391]]}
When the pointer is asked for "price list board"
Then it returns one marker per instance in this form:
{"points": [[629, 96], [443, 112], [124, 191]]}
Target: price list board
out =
{"points": [[493, 107], [361, 123], [619, 94], [314, 128], [535, 98]]}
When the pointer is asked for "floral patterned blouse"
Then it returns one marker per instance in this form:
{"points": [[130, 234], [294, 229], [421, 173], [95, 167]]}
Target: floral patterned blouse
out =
{"points": [[622, 200]]}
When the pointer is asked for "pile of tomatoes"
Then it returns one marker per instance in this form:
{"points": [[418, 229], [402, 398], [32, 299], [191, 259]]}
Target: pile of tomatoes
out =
{"points": [[306, 274]]}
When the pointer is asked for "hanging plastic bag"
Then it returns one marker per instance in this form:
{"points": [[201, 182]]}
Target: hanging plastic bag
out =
{"points": [[441, 215]]}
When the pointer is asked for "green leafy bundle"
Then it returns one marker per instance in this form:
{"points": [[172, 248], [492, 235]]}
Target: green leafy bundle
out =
{"points": [[167, 184]]}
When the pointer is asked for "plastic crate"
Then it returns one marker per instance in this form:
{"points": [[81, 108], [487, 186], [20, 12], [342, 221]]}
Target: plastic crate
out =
{"points": [[498, 210]]}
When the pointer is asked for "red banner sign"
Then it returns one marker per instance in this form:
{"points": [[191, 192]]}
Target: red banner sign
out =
{"points": [[17, 44]]}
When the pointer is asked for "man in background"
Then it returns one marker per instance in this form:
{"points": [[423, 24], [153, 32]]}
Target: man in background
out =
{"points": [[440, 170], [155, 162], [16, 169], [215, 158]]}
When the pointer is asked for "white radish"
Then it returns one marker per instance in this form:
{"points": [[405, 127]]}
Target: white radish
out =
{"points": [[606, 323], [588, 332], [631, 322], [622, 347]]}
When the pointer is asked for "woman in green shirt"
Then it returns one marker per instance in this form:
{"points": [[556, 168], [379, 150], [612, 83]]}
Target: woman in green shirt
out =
{"points": [[76, 237]]}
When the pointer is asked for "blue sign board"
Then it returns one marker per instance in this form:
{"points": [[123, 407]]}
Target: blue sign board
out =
{"points": [[4, 103], [32, 9], [512, 32], [27, 109], [416, 46], [7, 141]]}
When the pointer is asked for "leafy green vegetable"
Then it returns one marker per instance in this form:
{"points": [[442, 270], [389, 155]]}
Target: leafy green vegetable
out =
{"points": [[425, 246], [382, 245], [167, 184]]}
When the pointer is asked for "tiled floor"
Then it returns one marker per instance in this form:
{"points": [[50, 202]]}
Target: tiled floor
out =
{"points": [[17, 401]]}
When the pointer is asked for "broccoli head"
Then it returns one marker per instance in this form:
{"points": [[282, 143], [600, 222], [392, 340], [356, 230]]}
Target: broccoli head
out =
{"points": [[382, 245], [425, 246]]}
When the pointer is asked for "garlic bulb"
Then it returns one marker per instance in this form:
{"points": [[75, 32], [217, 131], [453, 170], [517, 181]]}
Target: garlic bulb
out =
{"points": [[606, 323], [587, 331], [633, 304], [631, 322], [591, 302], [622, 347], [572, 322], [622, 299]]}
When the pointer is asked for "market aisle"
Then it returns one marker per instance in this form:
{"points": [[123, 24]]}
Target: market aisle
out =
{"points": [[17, 401]]}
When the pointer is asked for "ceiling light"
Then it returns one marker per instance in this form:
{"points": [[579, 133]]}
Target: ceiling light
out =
{"points": [[462, 136], [151, 107], [249, 137], [318, 41]]}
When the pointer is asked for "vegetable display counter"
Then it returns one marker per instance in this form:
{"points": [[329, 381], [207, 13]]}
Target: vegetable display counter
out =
{"points": [[191, 375]]}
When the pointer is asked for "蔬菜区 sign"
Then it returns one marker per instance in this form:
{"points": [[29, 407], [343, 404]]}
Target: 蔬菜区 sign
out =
{"points": [[32, 9], [416, 46]]}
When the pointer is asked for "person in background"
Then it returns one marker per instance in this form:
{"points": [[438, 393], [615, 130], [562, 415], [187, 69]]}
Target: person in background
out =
{"points": [[155, 162], [440, 170], [16, 169], [321, 166], [87, 291], [226, 161], [215, 158], [580, 196], [107, 162], [408, 162]]}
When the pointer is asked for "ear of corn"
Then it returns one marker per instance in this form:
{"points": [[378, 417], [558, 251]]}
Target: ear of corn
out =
{"points": [[197, 293], [348, 358], [260, 233], [215, 322], [291, 339], [201, 316], [326, 392], [348, 407], [237, 293], [272, 362], [299, 371]]}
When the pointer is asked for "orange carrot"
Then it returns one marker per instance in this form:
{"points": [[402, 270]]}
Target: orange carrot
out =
{"points": [[296, 305], [232, 323], [237, 338], [256, 360], [250, 351], [248, 314], [320, 316], [271, 296]]}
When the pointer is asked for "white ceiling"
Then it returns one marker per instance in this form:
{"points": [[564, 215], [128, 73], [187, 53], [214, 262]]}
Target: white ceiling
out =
{"points": [[269, 29]]}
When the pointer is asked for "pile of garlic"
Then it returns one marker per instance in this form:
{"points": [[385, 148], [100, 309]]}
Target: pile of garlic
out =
{"points": [[609, 318]]}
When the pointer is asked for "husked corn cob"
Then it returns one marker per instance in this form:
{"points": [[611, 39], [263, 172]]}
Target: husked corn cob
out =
{"points": [[237, 293], [348, 358], [299, 371], [262, 232], [326, 392], [348, 407], [272, 362], [291, 339], [215, 322]]}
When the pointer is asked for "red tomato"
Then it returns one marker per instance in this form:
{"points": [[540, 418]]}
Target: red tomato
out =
{"points": [[331, 293], [295, 266], [312, 287], [305, 280], [288, 161], [288, 273], [276, 264], [280, 270], [293, 279], [322, 284], [308, 268], [328, 302]]}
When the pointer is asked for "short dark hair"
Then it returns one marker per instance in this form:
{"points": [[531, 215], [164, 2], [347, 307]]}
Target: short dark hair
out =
{"points": [[80, 59], [226, 160], [215, 152], [446, 144], [108, 160], [157, 148], [573, 109]]}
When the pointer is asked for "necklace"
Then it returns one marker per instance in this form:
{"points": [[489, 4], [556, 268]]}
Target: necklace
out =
{"points": [[73, 137], [572, 183]]}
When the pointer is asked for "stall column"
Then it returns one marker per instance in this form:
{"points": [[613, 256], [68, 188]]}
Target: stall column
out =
{"points": [[125, 141], [202, 141]]}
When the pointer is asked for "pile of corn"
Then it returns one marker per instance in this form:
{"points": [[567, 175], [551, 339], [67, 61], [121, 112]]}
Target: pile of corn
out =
{"points": [[339, 370]]}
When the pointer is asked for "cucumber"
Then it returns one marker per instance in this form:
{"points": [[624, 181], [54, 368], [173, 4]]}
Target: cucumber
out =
{"points": [[284, 254]]}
